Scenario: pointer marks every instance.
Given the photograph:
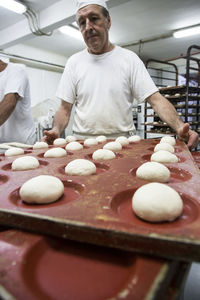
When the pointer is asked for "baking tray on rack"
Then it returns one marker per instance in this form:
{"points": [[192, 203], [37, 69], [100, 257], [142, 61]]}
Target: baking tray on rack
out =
{"points": [[97, 208], [37, 267]]}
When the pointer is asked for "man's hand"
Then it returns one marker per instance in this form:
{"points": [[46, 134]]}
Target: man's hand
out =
{"points": [[50, 136], [189, 136]]}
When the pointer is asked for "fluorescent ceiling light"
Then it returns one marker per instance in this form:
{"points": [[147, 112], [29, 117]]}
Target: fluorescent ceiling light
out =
{"points": [[69, 30], [187, 32], [13, 5]]}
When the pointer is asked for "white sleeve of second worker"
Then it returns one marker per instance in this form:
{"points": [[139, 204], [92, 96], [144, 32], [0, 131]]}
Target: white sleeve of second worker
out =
{"points": [[66, 89], [16, 82]]}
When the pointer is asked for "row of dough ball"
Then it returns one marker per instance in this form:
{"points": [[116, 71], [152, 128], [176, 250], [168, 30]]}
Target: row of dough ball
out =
{"points": [[30, 162], [87, 142], [155, 201], [74, 145], [39, 189], [164, 151]]}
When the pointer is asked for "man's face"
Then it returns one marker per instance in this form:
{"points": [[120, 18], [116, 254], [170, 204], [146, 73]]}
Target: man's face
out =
{"points": [[94, 28]]}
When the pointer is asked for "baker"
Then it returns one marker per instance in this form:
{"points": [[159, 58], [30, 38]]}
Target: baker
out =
{"points": [[102, 81], [16, 121]]}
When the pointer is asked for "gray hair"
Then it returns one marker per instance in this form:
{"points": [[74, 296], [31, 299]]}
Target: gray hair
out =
{"points": [[105, 12]]}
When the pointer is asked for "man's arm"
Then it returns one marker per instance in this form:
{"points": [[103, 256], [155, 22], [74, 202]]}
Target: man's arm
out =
{"points": [[7, 105], [60, 122], [168, 114]]}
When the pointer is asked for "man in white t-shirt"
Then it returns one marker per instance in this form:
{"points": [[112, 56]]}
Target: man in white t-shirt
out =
{"points": [[102, 81], [16, 121]]}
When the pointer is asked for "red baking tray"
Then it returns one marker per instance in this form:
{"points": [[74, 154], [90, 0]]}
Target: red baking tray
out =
{"points": [[36, 267], [97, 208]]}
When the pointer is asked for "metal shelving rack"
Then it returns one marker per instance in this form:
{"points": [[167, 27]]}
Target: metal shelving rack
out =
{"points": [[164, 75], [185, 98]]}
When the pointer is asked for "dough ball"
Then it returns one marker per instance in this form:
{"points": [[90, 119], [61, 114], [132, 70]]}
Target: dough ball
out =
{"points": [[113, 146], [25, 163], [103, 154], [168, 139], [39, 145], [70, 138], [101, 138], [164, 146], [80, 167], [134, 138], [55, 152], [42, 189], [122, 140], [153, 171], [90, 142], [74, 146], [157, 202], [164, 156], [14, 151], [59, 142]]}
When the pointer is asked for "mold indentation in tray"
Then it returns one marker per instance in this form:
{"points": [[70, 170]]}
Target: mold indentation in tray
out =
{"points": [[3, 179], [121, 205], [107, 272], [147, 157], [72, 192], [176, 174], [27, 151]]}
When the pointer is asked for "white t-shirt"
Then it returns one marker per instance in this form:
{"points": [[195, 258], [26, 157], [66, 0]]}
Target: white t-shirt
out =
{"points": [[19, 127], [103, 88]]}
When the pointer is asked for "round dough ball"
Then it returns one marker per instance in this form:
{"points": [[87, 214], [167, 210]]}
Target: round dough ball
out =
{"points": [[168, 139], [14, 151], [41, 189], [113, 146], [90, 142], [164, 156], [59, 142], [153, 171], [80, 167], [103, 154], [39, 145], [164, 146], [25, 163], [73, 146], [70, 138], [122, 140], [157, 202], [134, 138], [101, 138], [55, 152]]}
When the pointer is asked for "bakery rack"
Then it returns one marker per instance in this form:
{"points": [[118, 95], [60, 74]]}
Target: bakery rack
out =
{"points": [[185, 98]]}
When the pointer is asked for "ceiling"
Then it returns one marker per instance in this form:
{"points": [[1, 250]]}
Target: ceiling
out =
{"points": [[144, 26]]}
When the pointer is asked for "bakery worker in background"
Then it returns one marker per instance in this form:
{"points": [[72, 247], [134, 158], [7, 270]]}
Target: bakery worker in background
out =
{"points": [[102, 81], [16, 121]]}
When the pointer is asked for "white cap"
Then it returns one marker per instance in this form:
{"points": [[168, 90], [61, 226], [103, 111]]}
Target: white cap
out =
{"points": [[80, 3]]}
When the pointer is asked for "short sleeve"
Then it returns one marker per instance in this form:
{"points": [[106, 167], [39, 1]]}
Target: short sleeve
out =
{"points": [[16, 82]]}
